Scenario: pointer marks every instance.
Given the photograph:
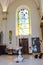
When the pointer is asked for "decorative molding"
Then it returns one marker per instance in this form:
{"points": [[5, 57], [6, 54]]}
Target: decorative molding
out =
{"points": [[37, 4], [4, 12], [42, 18], [38, 8], [41, 25], [4, 18]]}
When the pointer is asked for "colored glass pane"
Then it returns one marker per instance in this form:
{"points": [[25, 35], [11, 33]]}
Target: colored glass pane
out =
{"points": [[23, 22]]}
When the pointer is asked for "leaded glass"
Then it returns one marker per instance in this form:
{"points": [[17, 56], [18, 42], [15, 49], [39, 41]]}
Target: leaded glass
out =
{"points": [[23, 22]]}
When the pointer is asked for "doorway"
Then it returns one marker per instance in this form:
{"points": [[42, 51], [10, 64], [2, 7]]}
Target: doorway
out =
{"points": [[24, 43]]}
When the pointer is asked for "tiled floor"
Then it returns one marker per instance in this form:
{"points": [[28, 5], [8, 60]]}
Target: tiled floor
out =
{"points": [[28, 60]]}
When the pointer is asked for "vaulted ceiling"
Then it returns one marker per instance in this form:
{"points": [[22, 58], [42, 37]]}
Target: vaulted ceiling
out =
{"points": [[5, 4]]}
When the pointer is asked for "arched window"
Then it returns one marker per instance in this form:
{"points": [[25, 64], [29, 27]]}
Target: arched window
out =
{"points": [[23, 24]]}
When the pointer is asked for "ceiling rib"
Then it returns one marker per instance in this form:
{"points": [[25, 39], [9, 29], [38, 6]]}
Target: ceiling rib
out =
{"points": [[37, 3]]}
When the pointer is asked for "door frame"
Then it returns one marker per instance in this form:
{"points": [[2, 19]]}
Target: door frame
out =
{"points": [[26, 45]]}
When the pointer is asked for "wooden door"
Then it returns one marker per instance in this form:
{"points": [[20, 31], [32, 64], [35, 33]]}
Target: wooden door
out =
{"points": [[24, 43]]}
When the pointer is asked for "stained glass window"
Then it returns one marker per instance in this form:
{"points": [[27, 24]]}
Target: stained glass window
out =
{"points": [[23, 22]]}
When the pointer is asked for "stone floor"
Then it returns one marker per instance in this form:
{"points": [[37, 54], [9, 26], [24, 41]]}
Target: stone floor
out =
{"points": [[28, 60]]}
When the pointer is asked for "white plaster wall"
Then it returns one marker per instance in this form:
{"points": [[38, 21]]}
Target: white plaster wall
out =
{"points": [[11, 22], [42, 7], [0, 16]]}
